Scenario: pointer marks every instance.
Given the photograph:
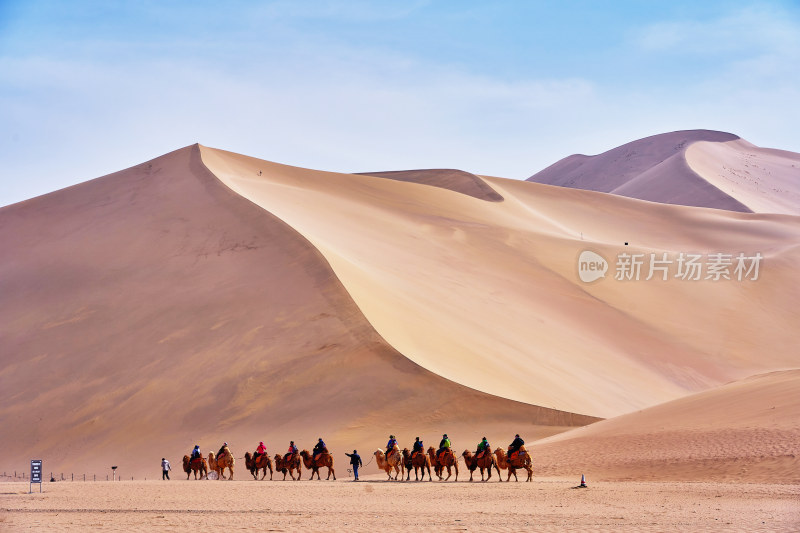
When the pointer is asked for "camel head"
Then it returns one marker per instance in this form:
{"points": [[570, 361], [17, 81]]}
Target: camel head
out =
{"points": [[247, 456]]}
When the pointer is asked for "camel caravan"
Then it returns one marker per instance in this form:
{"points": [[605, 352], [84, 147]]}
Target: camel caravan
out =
{"points": [[395, 462]]}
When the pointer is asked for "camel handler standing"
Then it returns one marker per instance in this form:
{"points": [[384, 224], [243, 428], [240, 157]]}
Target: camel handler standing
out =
{"points": [[355, 460], [165, 468]]}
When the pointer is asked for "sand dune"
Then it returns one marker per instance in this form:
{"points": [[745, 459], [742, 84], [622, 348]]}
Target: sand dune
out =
{"points": [[207, 296], [653, 168], [454, 180], [765, 180], [154, 309], [487, 294], [747, 431]]}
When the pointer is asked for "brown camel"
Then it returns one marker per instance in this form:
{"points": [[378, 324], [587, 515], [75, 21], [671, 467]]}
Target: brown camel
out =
{"points": [[521, 461], [325, 459], [219, 464], [447, 460], [393, 461], [419, 461], [289, 465], [199, 465], [486, 461], [262, 462]]}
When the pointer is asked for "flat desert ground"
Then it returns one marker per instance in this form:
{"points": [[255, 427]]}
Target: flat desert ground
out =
{"points": [[547, 504]]}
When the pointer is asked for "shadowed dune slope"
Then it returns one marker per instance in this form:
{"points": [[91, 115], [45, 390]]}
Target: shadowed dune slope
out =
{"points": [[653, 168], [454, 180], [153, 309], [748, 430], [487, 294]]}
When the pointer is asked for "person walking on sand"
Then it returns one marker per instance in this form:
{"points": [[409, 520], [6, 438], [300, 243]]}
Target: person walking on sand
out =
{"points": [[355, 460], [165, 468]]}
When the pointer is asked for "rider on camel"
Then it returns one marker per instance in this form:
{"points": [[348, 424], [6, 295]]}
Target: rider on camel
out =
{"points": [[291, 452], [222, 449], [515, 445], [319, 449], [417, 447], [482, 446], [196, 452], [390, 445], [443, 445], [261, 450]]}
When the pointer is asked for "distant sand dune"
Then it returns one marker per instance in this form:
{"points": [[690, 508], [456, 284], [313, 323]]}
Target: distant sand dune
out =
{"points": [[696, 168]]}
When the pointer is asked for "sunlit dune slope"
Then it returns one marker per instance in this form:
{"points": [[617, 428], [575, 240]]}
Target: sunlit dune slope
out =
{"points": [[487, 293], [154, 308], [765, 180], [747, 430]]}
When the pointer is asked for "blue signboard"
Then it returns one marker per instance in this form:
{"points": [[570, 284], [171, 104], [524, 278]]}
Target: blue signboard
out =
{"points": [[36, 474]]}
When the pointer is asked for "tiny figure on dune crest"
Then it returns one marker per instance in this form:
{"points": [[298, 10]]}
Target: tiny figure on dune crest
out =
{"points": [[165, 468], [355, 461]]}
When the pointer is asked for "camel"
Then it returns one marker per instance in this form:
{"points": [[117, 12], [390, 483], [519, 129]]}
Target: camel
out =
{"points": [[219, 464], [448, 460], [487, 461], [198, 465], [325, 459], [419, 461], [288, 465], [262, 462], [393, 461], [522, 460]]}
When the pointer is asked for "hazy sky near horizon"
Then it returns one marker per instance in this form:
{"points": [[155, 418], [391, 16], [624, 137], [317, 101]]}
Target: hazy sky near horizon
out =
{"points": [[503, 88]]}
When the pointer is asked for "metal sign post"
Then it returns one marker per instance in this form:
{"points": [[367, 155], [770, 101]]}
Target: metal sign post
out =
{"points": [[36, 475]]}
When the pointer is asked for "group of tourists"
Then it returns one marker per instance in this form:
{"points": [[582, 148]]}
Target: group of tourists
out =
{"points": [[355, 460], [445, 444]]}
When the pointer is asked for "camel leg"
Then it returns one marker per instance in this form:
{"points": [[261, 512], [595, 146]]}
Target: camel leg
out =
{"points": [[331, 471]]}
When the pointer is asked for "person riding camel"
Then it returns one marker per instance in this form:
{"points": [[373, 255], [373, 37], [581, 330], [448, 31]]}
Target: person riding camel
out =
{"points": [[319, 449], [482, 446], [196, 452], [515, 445], [261, 450], [390, 445], [443, 445], [417, 447], [222, 449], [292, 451]]}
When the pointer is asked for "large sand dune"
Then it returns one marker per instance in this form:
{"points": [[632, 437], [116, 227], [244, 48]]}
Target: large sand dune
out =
{"points": [[695, 167], [487, 294], [154, 309], [208, 296]]}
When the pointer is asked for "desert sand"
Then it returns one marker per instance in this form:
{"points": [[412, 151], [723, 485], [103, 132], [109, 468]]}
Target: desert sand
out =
{"points": [[548, 505], [745, 431], [762, 179], [470, 289], [206, 296]]}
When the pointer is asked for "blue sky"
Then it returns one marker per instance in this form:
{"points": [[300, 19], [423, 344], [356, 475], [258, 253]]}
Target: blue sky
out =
{"points": [[502, 88]]}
